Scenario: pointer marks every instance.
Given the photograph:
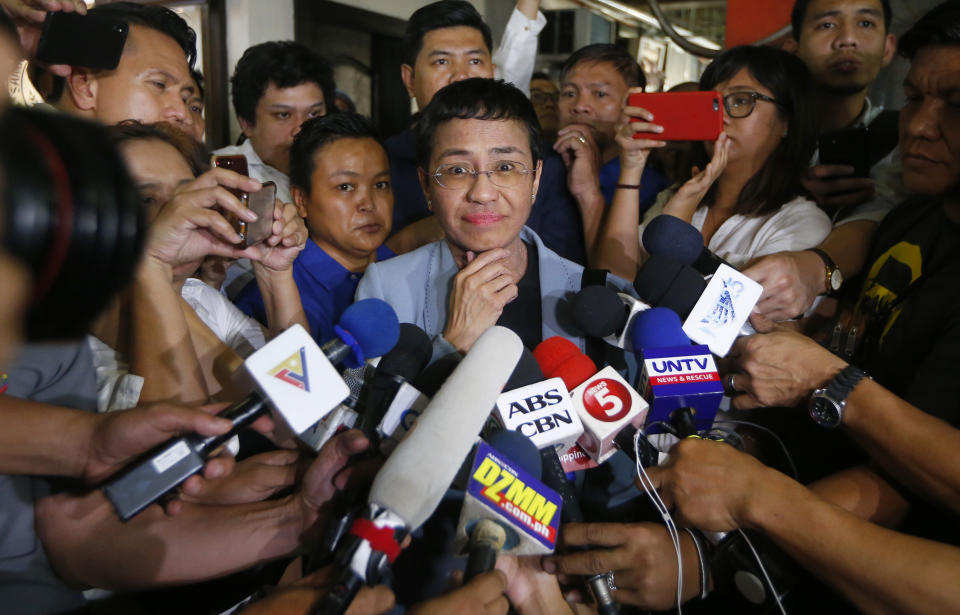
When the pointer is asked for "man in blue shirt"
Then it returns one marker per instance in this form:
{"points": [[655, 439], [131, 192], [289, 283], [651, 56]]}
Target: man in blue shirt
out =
{"points": [[340, 179], [593, 87]]}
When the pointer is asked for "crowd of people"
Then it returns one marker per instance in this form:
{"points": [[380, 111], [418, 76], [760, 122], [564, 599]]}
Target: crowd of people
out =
{"points": [[130, 302]]}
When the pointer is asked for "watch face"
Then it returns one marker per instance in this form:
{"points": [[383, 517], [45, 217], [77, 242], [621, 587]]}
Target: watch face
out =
{"points": [[836, 280], [824, 411]]}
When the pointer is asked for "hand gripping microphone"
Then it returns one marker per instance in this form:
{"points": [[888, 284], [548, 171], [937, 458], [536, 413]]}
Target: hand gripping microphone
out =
{"points": [[411, 484], [605, 401], [392, 378], [675, 374], [293, 376]]}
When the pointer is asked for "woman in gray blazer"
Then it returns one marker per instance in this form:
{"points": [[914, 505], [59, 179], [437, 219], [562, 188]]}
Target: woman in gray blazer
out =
{"points": [[478, 151]]}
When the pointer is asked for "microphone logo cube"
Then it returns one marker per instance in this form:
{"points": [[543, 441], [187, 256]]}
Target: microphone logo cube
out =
{"points": [[541, 411], [680, 377], [722, 309], [522, 504], [606, 404], [299, 381]]}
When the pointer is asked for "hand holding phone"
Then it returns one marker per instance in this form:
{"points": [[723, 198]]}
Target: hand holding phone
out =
{"points": [[685, 116], [260, 203]]}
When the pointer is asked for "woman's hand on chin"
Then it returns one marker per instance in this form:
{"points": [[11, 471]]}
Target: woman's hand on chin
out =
{"points": [[480, 290]]}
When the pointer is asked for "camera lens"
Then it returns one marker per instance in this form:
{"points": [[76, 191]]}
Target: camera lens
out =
{"points": [[72, 215]]}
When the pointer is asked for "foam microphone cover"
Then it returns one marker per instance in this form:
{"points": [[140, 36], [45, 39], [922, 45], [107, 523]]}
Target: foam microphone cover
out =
{"points": [[598, 311], [373, 323], [658, 328], [525, 373], [671, 236], [561, 358], [414, 478], [410, 355], [519, 449], [434, 375]]}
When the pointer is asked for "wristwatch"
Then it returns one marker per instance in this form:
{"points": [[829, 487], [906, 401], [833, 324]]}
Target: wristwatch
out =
{"points": [[834, 276], [827, 404]]}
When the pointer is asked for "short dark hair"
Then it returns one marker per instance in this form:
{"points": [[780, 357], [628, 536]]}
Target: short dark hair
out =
{"points": [[939, 26], [788, 79], [476, 99], [799, 13], [285, 64], [155, 17], [442, 14], [622, 61], [319, 132], [193, 152]]}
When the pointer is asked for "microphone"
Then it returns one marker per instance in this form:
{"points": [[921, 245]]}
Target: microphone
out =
{"points": [[601, 312], [671, 236], [605, 401], [666, 282], [675, 374], [391, 379], [722, 309], [554, 477], [408, 488], [293, 376], [538, 408], [506, 508]]}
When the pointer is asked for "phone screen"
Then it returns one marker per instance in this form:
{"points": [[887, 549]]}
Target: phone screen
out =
{"points": [[261, 203]]}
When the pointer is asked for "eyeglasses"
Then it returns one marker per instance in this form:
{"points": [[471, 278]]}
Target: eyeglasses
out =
{"points": [[539, 97], [741, 104], [459, 176]]}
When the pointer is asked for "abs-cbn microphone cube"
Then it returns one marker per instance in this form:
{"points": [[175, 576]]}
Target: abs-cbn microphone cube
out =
{"points": [[680, 377], [606, 404], [541, 411]]}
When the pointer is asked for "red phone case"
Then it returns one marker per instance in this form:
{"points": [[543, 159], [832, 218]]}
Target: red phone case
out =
{"points": [[685, 116]]}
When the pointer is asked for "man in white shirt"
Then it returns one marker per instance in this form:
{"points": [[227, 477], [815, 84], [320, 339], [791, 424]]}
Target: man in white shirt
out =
{"points": [[276, 87]]}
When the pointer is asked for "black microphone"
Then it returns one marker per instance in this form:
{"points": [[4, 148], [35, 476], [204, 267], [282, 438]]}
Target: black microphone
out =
{"points": [[664, 281], [671, 236], [396, 368]]}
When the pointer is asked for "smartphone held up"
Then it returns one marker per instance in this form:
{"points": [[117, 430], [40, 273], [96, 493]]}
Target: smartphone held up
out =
{"points": [[261, 203], [685, 116]]}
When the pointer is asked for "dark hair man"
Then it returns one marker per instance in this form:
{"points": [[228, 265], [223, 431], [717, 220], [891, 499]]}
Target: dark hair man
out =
{"points": [[341, 184], [444, 42], [152, 82], [593, 85], [276, 87], [844, 43]]}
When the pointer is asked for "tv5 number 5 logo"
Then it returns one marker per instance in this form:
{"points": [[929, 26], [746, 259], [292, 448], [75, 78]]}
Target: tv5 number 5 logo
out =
{"points": [[607, 400]]}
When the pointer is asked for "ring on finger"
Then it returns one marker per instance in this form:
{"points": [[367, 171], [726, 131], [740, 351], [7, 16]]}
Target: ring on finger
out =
{"points": [[730, 385], [581, 139], [611, 583]]}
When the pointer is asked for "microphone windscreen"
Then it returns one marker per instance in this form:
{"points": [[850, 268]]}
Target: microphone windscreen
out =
{"points": [[434, 375], [553, 351], [411, 354], [519, 449], [560, 358], [525, 373], [598, 311], [685, 291], [671, 236], [415, 477], [373, 323], [658, 328], [655, 277]]}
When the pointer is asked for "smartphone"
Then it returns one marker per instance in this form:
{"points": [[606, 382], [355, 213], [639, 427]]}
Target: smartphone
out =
{"points": [[685, 116], [261, 203], [91, 41], [847, 147]]}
